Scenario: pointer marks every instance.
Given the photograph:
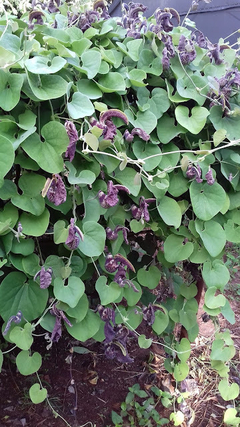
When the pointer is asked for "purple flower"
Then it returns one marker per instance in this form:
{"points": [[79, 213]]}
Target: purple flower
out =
{"points": [[115, 343], [141, 212], [57, 192], [209, 177], [194, 172], [45, 277], [186, 50], [113, 234], [148, 314], [74, 236], [73, 137], [12, 319], [117, 264], [57, 330], [136, 131], [107, 314], [111, 198], [105, 123], [165, 59]]}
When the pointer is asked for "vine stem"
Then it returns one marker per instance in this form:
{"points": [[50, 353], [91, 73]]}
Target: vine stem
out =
{"points": [[45, 312]]}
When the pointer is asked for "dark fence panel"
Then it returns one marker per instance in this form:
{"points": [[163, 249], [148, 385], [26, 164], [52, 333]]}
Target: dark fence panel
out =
{"points": [[217, 19]]}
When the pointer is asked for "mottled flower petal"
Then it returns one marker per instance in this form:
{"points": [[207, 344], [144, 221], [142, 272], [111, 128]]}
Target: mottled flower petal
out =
{"points": [[13, 319], [209, 177], [57, 192], [73, 137], [45, 277], [74, 235]]}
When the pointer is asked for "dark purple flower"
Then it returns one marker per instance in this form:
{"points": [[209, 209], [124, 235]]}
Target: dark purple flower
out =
{"points": [[136, 131], [141, 212], [57, 330], [57, 192], [113, 234], [209, 177], [148, 314], [186, 50], [117, 264], [107, 314], [115, 343], [194, 172], [165, 59], [74, 236], [13, 319], [111, 198], [106, 124], [199, 38], [45, 277], [111, 264], [73, 137]]}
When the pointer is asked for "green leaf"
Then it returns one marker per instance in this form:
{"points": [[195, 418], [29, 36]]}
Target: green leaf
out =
{"points": [[107, 293], [6, 157], [44, 64], [8, 218], [216, 274], [176, 249], [145, 120], [22, 337], [188, 292], [193, 121], [213, 301], [181, 371], [143, 342], [24, 247], [187, 88], [70, 293], [111, 82], [132, 297], [48, 154], [177, 418], [85, 329], [230, 417], [30, 200], [37, 394], [128, 179], [30, 264], [136, 226], [227, 391], [89, 88], [219, 136], [18, 294], [207, 200], [187, 318], [136, 77], [167, 129], [82, 178], [228, 313], [45, 87], [91, 61], [80, 106], [116, 419], [230, 123], [149, 278], [142, 150], [94, 239], [26, 364], [35, 225], [170, 211], [10, 89], [183, 349], [161, 322], [60, 233], [80, 310], [91, 140], [212, 235]]}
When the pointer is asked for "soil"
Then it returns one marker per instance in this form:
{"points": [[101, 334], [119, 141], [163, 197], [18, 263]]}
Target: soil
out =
{"points": [[83, 389]]}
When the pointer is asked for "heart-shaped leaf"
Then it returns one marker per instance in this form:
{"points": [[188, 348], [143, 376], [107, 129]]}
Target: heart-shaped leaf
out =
{"points": [[193, 120], [212, 235], [94, 239], [170, 211], [143, 342], [80, 106], [183, 349], [27, 364], [207, 200], [10, 88], [22, 337], [85, 329], [18, 294], [176, 249], [48, 86], [230, 417], [181, 371], [80, 310], [107, 293], [145, 120], [214, 301], [37, 394], [70, 293], [161, 322], [48, 154], [149, 278], [44, 64], [215, 273], [228, 391], [35, 225]]}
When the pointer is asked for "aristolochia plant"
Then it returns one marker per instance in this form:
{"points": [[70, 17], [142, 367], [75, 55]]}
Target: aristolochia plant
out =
{"points": [[119, 157]]}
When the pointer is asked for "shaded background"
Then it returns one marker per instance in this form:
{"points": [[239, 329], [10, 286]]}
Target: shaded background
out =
{"points": [[217, 19]]}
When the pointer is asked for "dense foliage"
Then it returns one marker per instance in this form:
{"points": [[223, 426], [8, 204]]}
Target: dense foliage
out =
{"points": [[119, 158]]}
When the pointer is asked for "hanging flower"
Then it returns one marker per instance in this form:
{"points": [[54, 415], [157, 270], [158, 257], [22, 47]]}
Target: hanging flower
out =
{"points": [[113, 234], [209, 177], [57, 330], [141, 212], [57, 192], [117, 264], [136, 131], [73, 137], [111, 198], [74, 236], [106, 124], [186, 50], [45, 277], [194, 172], [13, 319]]}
